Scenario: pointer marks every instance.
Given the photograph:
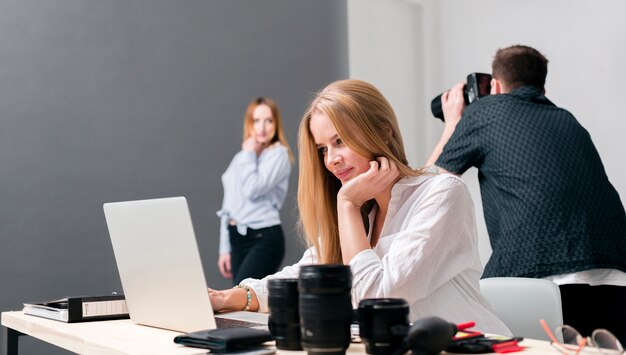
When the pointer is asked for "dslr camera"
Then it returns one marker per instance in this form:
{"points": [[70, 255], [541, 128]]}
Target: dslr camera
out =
{"points": [[477, 86]]}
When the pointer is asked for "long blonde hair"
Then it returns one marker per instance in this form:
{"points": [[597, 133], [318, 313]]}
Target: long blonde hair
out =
{"points": [[367, 124], [248, 122]]}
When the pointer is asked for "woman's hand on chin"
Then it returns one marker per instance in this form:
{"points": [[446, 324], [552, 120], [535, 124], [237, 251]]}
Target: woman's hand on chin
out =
{"points": [[378, 179]]}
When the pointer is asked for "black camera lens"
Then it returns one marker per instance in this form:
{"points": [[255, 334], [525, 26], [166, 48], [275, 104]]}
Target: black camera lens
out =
{"points": [[325, 308], [284, 319], [383, 324], [478, 85], [437, 107]]}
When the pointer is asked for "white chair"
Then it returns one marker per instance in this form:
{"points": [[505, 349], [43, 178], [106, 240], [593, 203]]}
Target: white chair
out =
{"points": [[521, 302]]}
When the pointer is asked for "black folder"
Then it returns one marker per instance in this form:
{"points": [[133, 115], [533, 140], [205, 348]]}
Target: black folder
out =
{"points": [[80, 308]]}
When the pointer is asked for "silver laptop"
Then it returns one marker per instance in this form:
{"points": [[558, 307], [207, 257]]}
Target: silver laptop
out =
{"points": [[160, 267]]}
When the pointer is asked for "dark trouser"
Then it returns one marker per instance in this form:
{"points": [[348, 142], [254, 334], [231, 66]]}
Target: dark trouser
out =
{"points": [[587, 308], [257, 254]]}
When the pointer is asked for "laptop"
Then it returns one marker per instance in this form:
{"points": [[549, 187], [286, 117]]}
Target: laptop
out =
{"points": [[160, 267]]}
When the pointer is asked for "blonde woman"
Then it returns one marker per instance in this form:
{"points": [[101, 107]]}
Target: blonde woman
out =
{"points": [[404, 233], [252, 243]]}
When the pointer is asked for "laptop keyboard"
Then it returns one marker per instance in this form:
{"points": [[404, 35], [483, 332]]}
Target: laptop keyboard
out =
{"points": [[235, 323]]}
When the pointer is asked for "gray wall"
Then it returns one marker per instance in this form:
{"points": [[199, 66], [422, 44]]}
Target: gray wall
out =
{"points": [[117, 100]]}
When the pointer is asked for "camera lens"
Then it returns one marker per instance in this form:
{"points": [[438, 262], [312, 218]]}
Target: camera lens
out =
{"points": [[284, 319], [436, 107], [383, 323], [478, 85], [325, 308]]}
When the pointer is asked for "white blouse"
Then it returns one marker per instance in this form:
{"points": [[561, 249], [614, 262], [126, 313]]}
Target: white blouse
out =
{"points": [[427, 254]]}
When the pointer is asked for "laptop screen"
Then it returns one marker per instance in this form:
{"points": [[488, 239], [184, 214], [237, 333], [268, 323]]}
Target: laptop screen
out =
{"points": [[159, 263]]}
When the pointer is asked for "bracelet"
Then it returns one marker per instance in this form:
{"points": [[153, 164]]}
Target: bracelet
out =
{"points": [[248, 296]]}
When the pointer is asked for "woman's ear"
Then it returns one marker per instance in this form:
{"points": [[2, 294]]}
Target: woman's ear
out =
{"points": [[389, 134]]}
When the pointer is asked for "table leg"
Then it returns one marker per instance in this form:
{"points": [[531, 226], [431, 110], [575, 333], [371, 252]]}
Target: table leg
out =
{"points": [[10, 338]]}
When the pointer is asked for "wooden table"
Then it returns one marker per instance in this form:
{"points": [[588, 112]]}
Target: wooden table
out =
{"points": [[125, 337]]}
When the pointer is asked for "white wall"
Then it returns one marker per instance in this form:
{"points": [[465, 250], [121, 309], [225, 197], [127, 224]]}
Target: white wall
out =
{"points": [[385, 43], [585, 42]]}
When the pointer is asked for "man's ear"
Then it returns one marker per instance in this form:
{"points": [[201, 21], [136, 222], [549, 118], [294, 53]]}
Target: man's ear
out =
{"points": [[496, 87]]}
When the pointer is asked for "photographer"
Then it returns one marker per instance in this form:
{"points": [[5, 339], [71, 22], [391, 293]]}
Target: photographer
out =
{"points": [[550, 209]]}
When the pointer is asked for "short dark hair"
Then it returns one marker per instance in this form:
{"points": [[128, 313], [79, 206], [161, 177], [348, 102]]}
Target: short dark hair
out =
{"points": [[520, 65]]}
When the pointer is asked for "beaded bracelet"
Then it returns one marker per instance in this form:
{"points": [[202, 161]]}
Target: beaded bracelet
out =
{"points": [[248, 296]]}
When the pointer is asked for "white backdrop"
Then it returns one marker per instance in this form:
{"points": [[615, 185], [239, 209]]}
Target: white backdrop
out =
{"points": [[585, 42]]}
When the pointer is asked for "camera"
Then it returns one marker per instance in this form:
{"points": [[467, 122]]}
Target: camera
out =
{"points": [[477, 86]]}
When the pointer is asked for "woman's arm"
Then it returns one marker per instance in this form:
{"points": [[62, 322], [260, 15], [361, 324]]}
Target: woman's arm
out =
{"points": [[436, 242], [374, 183], [259, 176], [235, 300]]}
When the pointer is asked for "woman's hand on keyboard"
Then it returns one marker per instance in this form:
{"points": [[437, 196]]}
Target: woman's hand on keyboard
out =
{"points": [[218, 299], [233, 299]]}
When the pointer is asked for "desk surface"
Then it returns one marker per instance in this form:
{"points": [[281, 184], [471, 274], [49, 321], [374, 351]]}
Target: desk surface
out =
{"points": [[125, 337]]}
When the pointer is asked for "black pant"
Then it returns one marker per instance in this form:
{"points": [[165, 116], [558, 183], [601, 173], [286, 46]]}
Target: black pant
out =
{"points": [[587, 308], [257, 254]]}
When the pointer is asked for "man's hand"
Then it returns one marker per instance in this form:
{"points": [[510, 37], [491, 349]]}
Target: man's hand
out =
{"points": [[223, 265], [453, 104]]}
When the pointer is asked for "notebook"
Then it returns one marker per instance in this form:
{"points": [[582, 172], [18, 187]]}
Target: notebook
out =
{"points": [[160, 267]]}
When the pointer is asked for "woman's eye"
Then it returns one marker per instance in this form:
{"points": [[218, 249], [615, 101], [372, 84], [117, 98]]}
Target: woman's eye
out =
{"points": [[339, 141], [322, 150]]}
